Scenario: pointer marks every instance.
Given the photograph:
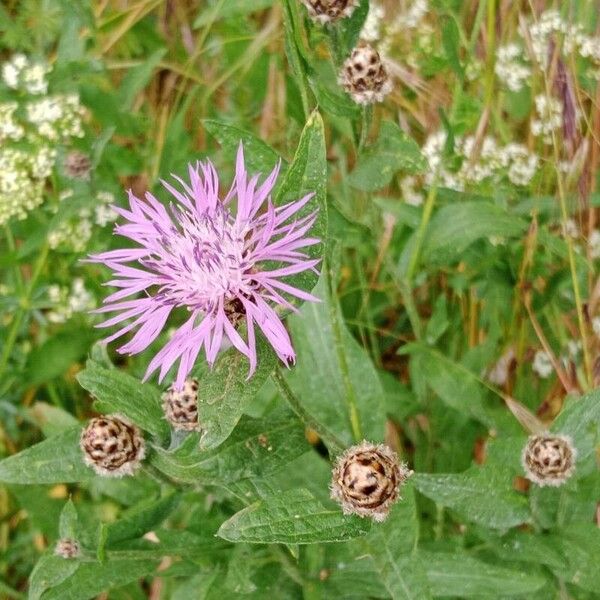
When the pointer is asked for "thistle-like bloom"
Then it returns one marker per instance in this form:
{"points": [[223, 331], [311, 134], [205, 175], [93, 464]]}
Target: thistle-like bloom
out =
{"points": [[222, 260]]}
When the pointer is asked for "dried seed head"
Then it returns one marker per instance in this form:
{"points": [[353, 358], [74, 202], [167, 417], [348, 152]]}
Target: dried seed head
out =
{"points": [[77, 165], [364, 76], [181, 407], [366, 479], [549, 459], [112, 446], [326, 11], [67, 548]]}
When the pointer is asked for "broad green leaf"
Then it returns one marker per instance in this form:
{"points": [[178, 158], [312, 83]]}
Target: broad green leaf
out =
{"points": [[93, 578], [293, 517], [256, 448], [393, 151], [580, 419], [348, 29], [51, 419], [57, 354], [481, 495], [308, 175], [49, 571], [141, 519], [452, 382], [55, 460], [329, 371], [455, 227], [225, 391], [138, 77], [198, 586], [392, 546], [118, 392], [334, 102], [259, 156], [460, 575], [231, 9]]}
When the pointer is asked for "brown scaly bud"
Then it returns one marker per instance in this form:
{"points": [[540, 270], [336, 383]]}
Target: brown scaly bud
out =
{"points": [[549, 459], [181, 407], [326, 11], [366, 480], [364, 76], [67, 548], [77, 165], [112, 446]]}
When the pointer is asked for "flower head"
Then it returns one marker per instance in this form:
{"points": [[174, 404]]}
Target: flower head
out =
{"points": [[366, 478], [181, 406], [221, 259], [326, 11], [549, 459], [67, 548]]}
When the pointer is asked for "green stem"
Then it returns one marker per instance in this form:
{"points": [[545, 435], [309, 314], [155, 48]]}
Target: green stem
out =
{"points": [[367, 117], [335, 445], [22, 311], [420, 235]]}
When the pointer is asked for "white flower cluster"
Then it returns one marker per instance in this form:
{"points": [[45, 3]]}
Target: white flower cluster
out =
{"points": [[371, 31], [549, 111], [412, 17], [74, 233], [410, 194], [31, 130], [509, 67], [594, 243], [490, 161], [551, 24], [57, 118], [68, 302], [542, 365], [21, 74]]}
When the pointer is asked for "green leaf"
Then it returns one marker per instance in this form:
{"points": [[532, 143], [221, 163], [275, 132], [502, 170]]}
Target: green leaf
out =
{"points": [[118, 392], [49, 571], [308, 174], [67, 526], [57, 354], [456, 226], [225, 391], [232, 9], [335, 103], [392, 546], [459, 575], [137, 78], [259, 156], [481, 495], [580, 419], [256, 448], [55, 460], [348, 29], [141, 519], [393, 151], [51, 419], [451, 44], [452, 382], [93, 578], [319, 378], [294, 517]]}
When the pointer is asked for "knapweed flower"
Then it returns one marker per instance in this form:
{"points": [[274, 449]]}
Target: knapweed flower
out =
{"points": [[366, 479], [326, 11], [222, 260], [67, 548], [181, 406]]}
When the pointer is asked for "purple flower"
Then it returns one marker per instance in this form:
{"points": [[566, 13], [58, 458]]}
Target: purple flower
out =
{"points": [[222, 260]]}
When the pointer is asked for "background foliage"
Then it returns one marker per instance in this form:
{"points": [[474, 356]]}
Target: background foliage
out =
{"points": [[459, 293]]}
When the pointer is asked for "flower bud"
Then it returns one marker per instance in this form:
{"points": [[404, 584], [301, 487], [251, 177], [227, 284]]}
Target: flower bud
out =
{"points": [[366, 479], [549, 459], [67, 548], [326, 11], [181, 407], [112, 446], [364, 76], [77, 165]]}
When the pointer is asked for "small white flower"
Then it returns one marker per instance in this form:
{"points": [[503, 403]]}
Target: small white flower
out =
{"points": [[542, 364]]}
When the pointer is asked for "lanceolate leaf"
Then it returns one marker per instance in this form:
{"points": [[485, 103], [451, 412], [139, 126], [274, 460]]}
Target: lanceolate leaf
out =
{"points": [[118, 392], [308, 174], [294, 517], [225, 391], [257, 448], [55, 460]]}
